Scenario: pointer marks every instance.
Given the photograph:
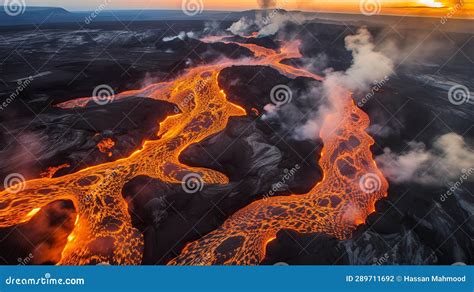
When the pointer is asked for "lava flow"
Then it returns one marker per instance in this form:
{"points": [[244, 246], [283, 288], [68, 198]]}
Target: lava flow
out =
{"points": [[106, 145], [103, 231], [51, 171], [351, 185], [342, 200]]}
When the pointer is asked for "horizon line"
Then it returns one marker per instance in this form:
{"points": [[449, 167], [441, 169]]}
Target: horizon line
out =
{"points": [[246, 10]]}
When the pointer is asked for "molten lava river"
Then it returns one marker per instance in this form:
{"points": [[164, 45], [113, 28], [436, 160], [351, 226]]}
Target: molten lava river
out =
{"points": [[103, 232]]}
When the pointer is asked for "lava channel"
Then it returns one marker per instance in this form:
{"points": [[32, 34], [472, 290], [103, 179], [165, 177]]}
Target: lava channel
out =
{"points": [[103, 232]]}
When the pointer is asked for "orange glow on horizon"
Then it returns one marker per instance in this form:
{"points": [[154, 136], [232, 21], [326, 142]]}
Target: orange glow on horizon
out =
{"points": [[464, 8], [431, 3]]}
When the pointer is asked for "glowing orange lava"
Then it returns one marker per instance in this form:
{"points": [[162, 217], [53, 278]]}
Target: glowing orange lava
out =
{"points": [[106, 145], [103, 231], [51, 171], [334, 206]]}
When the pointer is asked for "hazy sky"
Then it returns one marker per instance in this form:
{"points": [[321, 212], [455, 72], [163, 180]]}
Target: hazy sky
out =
{"points": [[422, 7]]}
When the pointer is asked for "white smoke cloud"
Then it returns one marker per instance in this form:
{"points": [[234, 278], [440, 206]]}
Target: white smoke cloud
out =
{"points": [[182, 35], [367, 67], [265, 4], [272, 23], [213, 28], [266, 23], [317, 64], [241, 26], [447, 159], [311, 129]]}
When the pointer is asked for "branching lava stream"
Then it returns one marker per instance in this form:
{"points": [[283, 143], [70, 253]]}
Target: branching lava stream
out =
{"points": [[103, 231]]}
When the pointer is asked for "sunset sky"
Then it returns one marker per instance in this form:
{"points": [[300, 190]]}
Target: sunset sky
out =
{"points": [[460, 8]]}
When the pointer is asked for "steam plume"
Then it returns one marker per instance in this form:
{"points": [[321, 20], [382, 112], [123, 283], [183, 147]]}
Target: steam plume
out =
{"points": [[182, 36], [447, 160], [265, 4], [367, 67], [266, 23]]}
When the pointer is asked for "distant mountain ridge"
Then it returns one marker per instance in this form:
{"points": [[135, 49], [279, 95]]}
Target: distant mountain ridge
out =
{"points": [[42, 15], [33, 15], [33, 10], [45, 8]]}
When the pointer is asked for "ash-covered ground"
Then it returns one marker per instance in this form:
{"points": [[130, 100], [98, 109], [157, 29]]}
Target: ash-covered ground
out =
{"points": [[423, 139]]}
